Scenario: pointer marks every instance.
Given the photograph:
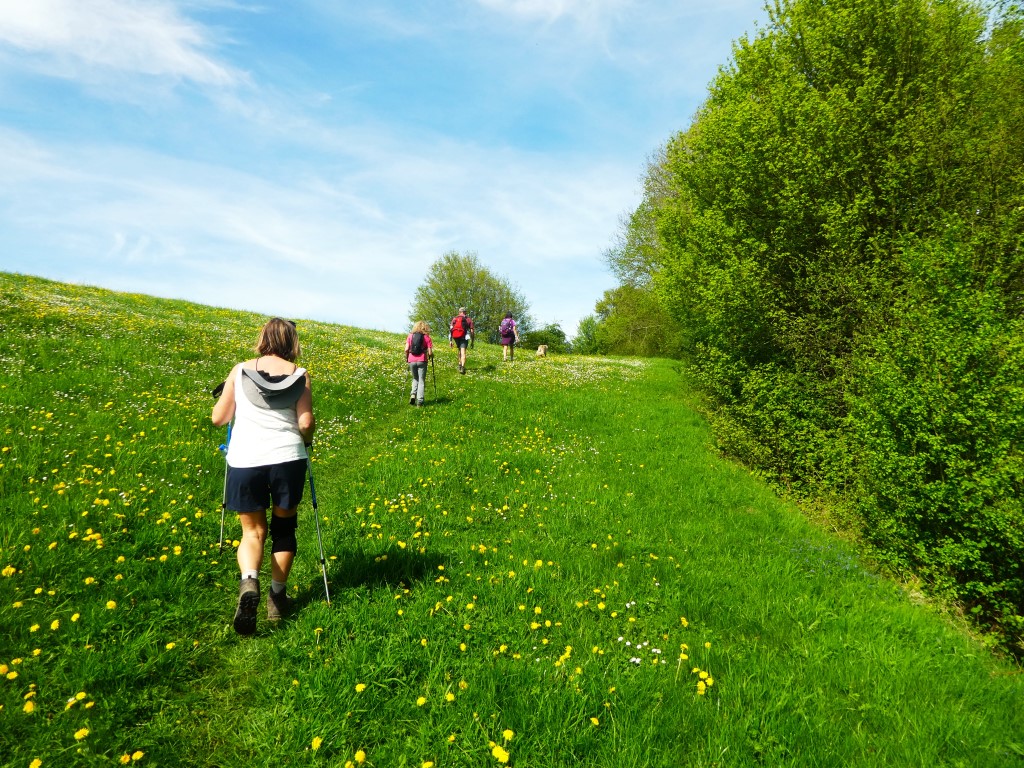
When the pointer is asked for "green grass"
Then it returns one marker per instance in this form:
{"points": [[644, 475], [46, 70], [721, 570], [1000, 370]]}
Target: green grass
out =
{"points": [[549, 548]]}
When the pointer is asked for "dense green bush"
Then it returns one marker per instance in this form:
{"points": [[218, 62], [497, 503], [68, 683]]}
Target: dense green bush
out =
{"points": [[937, 425], [840, 234]]}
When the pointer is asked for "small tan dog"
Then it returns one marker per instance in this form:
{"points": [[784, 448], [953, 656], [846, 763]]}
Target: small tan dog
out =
{"points": [[542, 350]]}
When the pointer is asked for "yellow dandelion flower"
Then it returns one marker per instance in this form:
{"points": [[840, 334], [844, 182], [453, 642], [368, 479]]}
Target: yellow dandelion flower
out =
{"points": [[75, 616], [499, 754], [29, 707], [55, 624], [508, 734], [449, 696], [169, 646], [360, 757], [35, 763], [427, 764], [595, 721], [317, 741], [421, 701], [125, 759], [81, 733], [10, 570], [34, 628], [138, 754], [111, 605], [360, 687]]}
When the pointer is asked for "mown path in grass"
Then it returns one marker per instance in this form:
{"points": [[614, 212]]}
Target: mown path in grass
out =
{"points": [[547, 565]]}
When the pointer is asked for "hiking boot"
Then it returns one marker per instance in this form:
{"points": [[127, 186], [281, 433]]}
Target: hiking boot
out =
{"points": [[412, 400], [462, 369], [279, 604], [248, 599], [420, 404]]}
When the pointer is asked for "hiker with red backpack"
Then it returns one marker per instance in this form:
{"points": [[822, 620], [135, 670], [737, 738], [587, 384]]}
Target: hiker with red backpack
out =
{"points": [[419, 348], [460, 334], [508, 335]]}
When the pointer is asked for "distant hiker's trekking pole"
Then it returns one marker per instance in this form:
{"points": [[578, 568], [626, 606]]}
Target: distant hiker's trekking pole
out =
{"points": [[316, 517], [433, 375]]}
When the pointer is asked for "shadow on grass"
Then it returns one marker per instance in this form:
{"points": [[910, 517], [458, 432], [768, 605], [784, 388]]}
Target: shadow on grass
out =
{"points": [[361, 570]]}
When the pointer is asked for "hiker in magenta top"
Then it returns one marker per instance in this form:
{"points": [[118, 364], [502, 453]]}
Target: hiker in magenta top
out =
{"points": [[419, 349], [271, 403], [460, 333], [508, 335]]}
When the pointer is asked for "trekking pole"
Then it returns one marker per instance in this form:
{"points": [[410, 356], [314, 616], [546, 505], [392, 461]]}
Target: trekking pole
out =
{"points": [[224, 496], [316, 517]]}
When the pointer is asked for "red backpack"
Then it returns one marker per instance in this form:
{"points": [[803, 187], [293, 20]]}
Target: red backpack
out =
{"points": [[460, 326]]}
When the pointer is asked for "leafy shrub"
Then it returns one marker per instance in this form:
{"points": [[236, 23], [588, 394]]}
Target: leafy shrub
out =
{"points": [[937, 427]]}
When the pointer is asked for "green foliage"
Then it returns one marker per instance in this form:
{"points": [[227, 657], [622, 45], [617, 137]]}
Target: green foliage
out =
{"points": [[639, 249], [937, 422], [460, 280], [631, 321], [840, 235], [586, 341], [551, 334]]}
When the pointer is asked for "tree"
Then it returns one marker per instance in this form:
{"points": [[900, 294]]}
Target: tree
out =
{"points": [[639, 248], [587, 340], [631, 321], [460, 280], [552, 335]]}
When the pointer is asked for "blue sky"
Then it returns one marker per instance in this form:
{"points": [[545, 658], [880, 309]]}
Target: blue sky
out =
{"points": [[312, 158]]}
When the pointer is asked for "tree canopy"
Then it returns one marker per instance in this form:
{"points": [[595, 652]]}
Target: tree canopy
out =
{"points": [[460, 280]]}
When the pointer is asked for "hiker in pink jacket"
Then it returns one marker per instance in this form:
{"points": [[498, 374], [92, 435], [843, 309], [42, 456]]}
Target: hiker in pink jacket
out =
{"points": [[419, 348]]}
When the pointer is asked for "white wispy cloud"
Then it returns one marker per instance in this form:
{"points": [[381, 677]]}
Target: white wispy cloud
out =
{"points": [[363, 240], [64, 37]]}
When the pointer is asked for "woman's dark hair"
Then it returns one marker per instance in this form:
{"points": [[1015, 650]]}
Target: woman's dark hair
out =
{"points": [[508, 314], [279, 337]]}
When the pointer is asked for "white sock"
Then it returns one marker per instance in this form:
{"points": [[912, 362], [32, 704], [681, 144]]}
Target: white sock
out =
{"points": [[278, 586], [250, 574]]}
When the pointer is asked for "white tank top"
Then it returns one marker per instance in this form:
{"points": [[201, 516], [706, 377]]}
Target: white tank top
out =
{"points": [[262, 436]]}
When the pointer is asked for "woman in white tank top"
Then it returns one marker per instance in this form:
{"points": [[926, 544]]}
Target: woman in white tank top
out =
{"points": [[271, 402]]}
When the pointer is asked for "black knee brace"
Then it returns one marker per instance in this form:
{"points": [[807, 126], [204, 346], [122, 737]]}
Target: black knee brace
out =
{"points": [[282, 533]]}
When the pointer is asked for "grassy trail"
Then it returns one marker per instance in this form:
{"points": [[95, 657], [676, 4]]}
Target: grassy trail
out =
{"points": [[545, 566]]}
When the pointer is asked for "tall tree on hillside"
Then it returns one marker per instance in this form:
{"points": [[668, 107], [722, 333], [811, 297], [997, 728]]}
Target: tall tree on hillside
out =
{"points": [[630, 319], [460, 280], [639, 249]]}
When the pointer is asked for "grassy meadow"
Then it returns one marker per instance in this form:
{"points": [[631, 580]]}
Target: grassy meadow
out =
{"points": [[548, 565]]}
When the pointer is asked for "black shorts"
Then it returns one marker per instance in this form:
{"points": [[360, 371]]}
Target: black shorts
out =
{"points": [[254, 489], [461, 342]]}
